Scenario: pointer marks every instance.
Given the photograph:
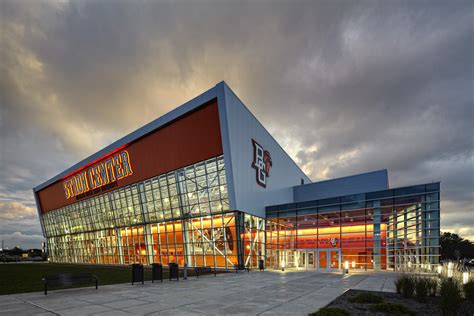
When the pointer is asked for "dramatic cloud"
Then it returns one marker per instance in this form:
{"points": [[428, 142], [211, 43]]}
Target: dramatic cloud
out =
{"points": [[345, 86], [15, 210]]}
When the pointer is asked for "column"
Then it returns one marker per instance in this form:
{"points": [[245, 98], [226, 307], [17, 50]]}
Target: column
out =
{"points": [[239, 222], [119, 245], [376, 251]]}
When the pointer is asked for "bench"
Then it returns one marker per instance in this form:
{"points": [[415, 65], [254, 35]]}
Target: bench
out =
{"points": [[69, 279], [203, 270]]}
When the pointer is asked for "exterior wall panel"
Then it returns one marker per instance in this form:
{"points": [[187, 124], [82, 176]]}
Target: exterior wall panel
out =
{"points": [[192, 138], [356, 184], [242, 128]]}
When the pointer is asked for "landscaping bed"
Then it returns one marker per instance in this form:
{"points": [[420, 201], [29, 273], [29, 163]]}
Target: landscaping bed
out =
{"points": [[357, 302]]}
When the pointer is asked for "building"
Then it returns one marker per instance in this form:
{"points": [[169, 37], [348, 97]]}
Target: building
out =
{"points": [[207, 185]]}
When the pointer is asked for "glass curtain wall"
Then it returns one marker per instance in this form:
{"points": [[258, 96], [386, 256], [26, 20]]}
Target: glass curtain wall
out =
{"points": [[279, 237], [394, 229], [181, 216]]}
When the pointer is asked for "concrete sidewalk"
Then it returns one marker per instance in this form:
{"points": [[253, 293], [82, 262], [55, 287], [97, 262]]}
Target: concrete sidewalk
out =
{"points": [[255, 293]]}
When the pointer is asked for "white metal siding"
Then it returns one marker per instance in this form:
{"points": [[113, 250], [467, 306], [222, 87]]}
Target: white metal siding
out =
{"points": [[242, 127]]}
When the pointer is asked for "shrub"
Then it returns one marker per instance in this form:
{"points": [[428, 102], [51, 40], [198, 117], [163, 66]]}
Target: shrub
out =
{"points": [[398, 284], [366, 298], [401, 282], [421, 288], [432, 286], [408, 286], [392, 309], [469, 290], [450, 296], [330, 311]]}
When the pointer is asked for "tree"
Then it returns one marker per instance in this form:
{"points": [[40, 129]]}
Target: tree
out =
{"points": [[455, 247], [15, 251]]}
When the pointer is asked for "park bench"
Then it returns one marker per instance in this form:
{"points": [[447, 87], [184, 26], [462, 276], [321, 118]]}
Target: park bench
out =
{"points": [[204, 270], [69, 279]]}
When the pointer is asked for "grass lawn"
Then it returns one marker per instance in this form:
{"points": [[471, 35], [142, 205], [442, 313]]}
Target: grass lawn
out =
{"points": [[26, 277]]}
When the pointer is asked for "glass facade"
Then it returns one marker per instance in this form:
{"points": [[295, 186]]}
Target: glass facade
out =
{"points": [[386, 230], [182, 216]]}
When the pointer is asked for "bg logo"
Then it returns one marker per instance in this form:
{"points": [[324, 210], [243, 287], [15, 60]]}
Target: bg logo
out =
{"points": [[262, 163]]}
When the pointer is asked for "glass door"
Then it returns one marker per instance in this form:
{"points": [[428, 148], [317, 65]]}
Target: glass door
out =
{"points": [[329, 259], [301, 259], [335, 260], [311, 256], [323, 260]]}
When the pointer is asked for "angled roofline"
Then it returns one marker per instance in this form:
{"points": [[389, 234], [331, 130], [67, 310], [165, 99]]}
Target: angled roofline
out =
{"points": [[140, 132], [213, 93], [265, 129]]}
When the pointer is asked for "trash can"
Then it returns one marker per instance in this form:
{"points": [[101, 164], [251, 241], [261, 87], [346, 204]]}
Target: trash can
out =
{"points": [[260, 265], [156, 272], [137, 273], [174, 271]]}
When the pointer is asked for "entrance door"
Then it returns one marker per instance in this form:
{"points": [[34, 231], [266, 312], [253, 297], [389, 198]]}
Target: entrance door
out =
{"points": [[335, 259], [301, 259], [323, 260], [329, 259], [312, 262]]}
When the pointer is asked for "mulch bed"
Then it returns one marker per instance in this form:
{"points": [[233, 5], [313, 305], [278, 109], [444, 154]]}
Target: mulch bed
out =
{"points": [[430, 307]]}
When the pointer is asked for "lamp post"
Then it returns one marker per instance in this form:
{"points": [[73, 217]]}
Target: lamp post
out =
{"points": [[346, 266]]}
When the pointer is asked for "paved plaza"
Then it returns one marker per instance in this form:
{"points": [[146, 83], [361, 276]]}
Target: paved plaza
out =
{"points": [[255, 293]]}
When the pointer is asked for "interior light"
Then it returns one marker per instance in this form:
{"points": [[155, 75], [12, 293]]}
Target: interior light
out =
{"points": [[440, 269], [353, 264], [346, 265]]}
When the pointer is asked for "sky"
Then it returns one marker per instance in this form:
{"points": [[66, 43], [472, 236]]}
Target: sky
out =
{"points": [[344, 86]]}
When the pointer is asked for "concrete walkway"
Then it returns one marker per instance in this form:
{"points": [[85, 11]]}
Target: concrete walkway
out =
{"points": [[255, 293]]}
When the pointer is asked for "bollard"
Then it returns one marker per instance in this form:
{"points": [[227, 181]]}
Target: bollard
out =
{"points": [[185, 272]]}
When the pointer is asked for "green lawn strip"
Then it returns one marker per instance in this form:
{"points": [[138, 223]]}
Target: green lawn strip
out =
{"points": [[21, 278]]}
